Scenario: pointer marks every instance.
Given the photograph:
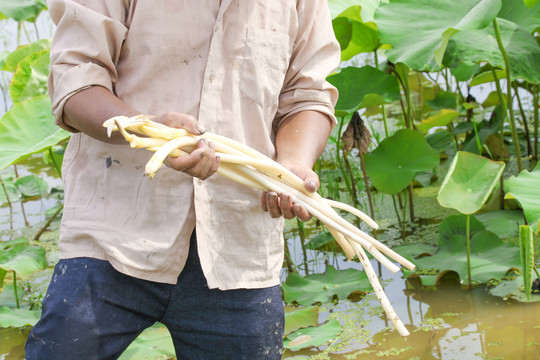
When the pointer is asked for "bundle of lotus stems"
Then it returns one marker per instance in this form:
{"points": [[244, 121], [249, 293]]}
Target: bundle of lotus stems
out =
{"points": [[249, 167]]}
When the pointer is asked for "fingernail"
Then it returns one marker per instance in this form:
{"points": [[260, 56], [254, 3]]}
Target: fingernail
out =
{"points": [[200, 129], [297, 208]]}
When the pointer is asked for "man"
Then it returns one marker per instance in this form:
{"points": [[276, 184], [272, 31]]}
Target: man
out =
{"points": [[250, 70]]}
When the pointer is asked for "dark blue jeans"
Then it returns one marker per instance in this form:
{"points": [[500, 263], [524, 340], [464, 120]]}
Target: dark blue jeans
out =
{"points": [[91, 311]]}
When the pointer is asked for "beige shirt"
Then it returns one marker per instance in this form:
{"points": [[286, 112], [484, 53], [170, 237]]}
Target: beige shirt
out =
{"points": [[240, 67]]}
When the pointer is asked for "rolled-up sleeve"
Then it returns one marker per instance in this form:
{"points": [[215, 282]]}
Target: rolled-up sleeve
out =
{"points": [[315, 55], [85, 49]]}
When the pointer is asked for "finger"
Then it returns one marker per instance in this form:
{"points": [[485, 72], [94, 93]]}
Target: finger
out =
{"points": [[286, 206], [301, 213], [272, 201], [311, 182], [178, 120], [264, 205]]}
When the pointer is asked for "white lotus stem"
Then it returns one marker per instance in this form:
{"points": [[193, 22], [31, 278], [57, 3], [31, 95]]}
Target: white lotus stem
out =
{"points": [[159, 156], [379, 291]]}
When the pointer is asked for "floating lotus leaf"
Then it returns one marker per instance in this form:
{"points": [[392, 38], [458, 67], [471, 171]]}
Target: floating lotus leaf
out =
{"points": [[469, 182], [298, 318], [398, 158], [18, 317], [26, 129], [362, 87], [419, 30], [321, 288], [152, 344], [312, 336], [478, 46], [525, 190], [10, 190], [490, 257]]}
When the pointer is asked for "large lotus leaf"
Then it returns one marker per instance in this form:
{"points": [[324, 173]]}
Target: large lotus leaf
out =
{"points": [[30, 78], [525, 189], [14, 58], [321, 288], [26, 129], [441, 118], [153, 343], [490, 258], [298, 318], [312, 336], [419, 30], [18, 317], [355, 36], [465, 72], [477, 46], [23, 259], [504, 223], [398, 158], [469, 182], [21, 9], [363, 87], [525, 16]]}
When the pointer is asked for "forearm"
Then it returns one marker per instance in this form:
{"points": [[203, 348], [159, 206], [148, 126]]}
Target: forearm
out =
{"points": [[302, 137], [87, 110]]}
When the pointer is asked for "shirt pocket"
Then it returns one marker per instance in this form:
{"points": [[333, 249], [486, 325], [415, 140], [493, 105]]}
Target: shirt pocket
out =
{"points": [[264, 65]]}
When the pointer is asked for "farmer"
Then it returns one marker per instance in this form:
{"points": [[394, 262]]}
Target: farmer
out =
{"points": [[251, 70]]}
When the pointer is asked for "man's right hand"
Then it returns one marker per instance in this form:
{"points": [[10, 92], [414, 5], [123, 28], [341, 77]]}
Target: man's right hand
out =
{"points": [[202, 162]]}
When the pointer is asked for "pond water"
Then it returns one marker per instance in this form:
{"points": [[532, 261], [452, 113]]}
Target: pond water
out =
{"points": [[446, 322]]}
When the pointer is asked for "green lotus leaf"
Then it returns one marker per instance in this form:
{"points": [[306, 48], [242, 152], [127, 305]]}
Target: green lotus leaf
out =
{"points": [[490, 257], [18, 317], [526, 16], [23, 259], [442, 118], [26, 129], [14, 58], [21, 9], [504, 223], [439, 140], [478, 46], [443, 100], [9, 191], [530, 3], [465, 72], [152, 344], [524, 189], [418, 31], [312, 336], [368, 7], [321, 288], [398, 158], [353, 34], [469, 182], [30, 78], [298, 318], [486, 77], [512, 289], [363, 87], [32, 185]]}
